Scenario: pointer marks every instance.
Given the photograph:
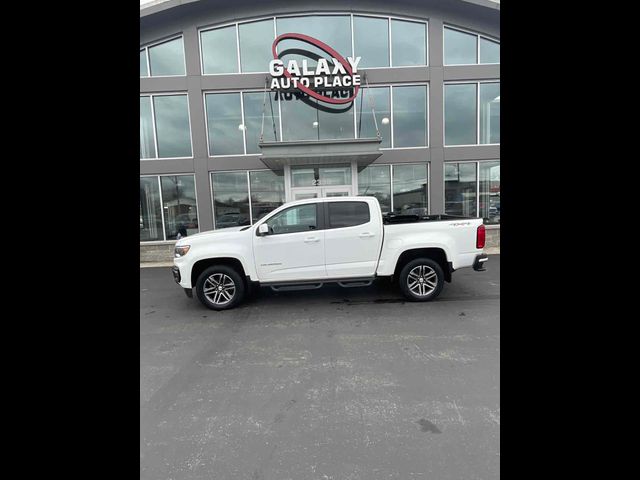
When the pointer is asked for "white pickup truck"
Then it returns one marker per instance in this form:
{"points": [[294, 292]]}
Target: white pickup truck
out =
{"points": [[344, 240]]}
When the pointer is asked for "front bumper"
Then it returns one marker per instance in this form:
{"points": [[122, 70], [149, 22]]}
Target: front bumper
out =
{"points": [[478, 264], [176, 273]]}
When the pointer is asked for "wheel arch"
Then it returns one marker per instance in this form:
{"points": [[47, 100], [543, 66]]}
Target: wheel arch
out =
{"points": [[434, 253], [201, 265]]}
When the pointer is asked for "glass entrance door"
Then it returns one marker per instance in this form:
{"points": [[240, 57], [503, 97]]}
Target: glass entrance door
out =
{"points": [[320, 181]]}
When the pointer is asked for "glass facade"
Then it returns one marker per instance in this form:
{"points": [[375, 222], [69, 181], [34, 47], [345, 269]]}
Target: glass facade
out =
{"points": [[375, 181], [164, 127], [255, 45], [410, 189], [233, 206], [460, 189], [167, 207], [473, 189], [219, 50], [409, 116], [235, 115], [371, 41], [167, 59], [224, 124], [408, 43]]}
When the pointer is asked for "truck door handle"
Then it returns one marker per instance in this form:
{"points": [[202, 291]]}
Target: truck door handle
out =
{"points": [[311, 240], [366, 235]]}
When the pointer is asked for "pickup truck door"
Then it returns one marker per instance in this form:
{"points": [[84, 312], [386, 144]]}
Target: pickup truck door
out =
{"points": [[353, 239], [294, 248]]}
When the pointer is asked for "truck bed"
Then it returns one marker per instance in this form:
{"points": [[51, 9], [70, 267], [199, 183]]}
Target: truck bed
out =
{"points": [[393, 219]]}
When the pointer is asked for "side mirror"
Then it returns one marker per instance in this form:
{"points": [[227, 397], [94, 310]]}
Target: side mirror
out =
{"points": [[263, 229]]}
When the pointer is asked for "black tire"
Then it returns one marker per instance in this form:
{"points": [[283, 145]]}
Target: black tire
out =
{"points": [[429, 268], [214, 277]]}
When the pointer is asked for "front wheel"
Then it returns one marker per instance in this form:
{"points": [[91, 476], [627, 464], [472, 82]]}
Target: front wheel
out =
{"points": [[220, 287], [421, 280]]}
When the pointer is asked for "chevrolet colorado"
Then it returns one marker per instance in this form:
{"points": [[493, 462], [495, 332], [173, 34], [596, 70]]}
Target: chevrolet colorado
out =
{"points": [[344, 240]]}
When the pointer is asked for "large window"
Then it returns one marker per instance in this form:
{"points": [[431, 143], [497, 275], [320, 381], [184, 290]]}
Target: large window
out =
{"points": [[375, 181], [164, 126], [219, 50], [407, 181], [380, 41], [408, 43], [472, 189], [410, 189], [409, 116], [168, 207], [164, 59], [371, 41], [233, 206], [469, 118], [302, 119], [224, 123], [255, 45], [466, 48], [379, 98]]}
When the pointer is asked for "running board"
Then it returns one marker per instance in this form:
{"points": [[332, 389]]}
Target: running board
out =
{"points": [[294, 287], [357, 283]]}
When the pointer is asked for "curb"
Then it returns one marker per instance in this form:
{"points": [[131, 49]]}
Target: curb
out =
{"points": [[155, 264]]}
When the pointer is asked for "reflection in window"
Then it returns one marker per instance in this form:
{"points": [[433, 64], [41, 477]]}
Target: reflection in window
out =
{"points": [[490, 192], [224, 124], [489, 113], [410, 116], [333, 175], [255, 45], [253, 103], [230, 199], [489, 51], [219, 50], [371, 41], [172, 126], [150, 210], [348, 214], [144, 69], [179, 205], [408, 43], [375, 181], [410, 189], [460, 189], [334, 30], [267, 192], [382, 105], [460, 48], [460, 114], [167, 58], [302, 218], [303, 120], [147, 143]]}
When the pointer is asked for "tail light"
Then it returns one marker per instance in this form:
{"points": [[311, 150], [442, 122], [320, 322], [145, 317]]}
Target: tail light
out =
{"points": [[480, 237]]}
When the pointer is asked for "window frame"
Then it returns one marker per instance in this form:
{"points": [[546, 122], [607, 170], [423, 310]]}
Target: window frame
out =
{"points": [[195, 190], [247, 172], [160, 42], [478, 36], [351, 14], [320, 219], [478, 163], [327, 216], [153, 122], [477, 83]]}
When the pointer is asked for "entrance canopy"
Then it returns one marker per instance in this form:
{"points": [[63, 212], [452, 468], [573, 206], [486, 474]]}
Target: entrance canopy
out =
{"points": [[363, 151]]}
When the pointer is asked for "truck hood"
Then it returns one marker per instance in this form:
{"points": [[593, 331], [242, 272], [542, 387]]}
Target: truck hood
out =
{"points": [[210, 235]]}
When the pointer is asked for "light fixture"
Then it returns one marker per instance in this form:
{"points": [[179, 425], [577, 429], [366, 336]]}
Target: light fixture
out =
{"points": [[385, 121], [315, 124], [241, 127]]}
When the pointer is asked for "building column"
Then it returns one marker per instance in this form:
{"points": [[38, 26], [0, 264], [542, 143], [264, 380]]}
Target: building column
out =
{"points": [[436, 117]]}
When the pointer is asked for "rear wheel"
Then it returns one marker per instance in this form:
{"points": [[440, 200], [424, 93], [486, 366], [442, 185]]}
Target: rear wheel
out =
{"points": [[421, 280], [220, 287]]}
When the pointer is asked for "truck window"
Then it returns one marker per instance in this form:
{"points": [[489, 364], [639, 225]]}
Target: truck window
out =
{"points": [[348, 214], [302, 218]]}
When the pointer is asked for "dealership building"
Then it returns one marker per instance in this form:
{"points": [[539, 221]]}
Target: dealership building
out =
{"points": [[245, 105]]}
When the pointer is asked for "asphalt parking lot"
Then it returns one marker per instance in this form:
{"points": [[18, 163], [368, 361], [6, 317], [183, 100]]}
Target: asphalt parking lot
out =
{"points": [[328, 384]]}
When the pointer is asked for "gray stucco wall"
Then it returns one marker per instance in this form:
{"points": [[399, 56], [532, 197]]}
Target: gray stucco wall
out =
{"points": [[478, 15]]}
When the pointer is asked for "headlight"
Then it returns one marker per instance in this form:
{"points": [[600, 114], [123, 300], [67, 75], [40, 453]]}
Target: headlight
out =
{"points": [[182, 250]]}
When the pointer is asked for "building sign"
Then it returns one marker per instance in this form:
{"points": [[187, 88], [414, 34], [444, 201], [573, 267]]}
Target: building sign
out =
{"points": [[341, 75]]}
